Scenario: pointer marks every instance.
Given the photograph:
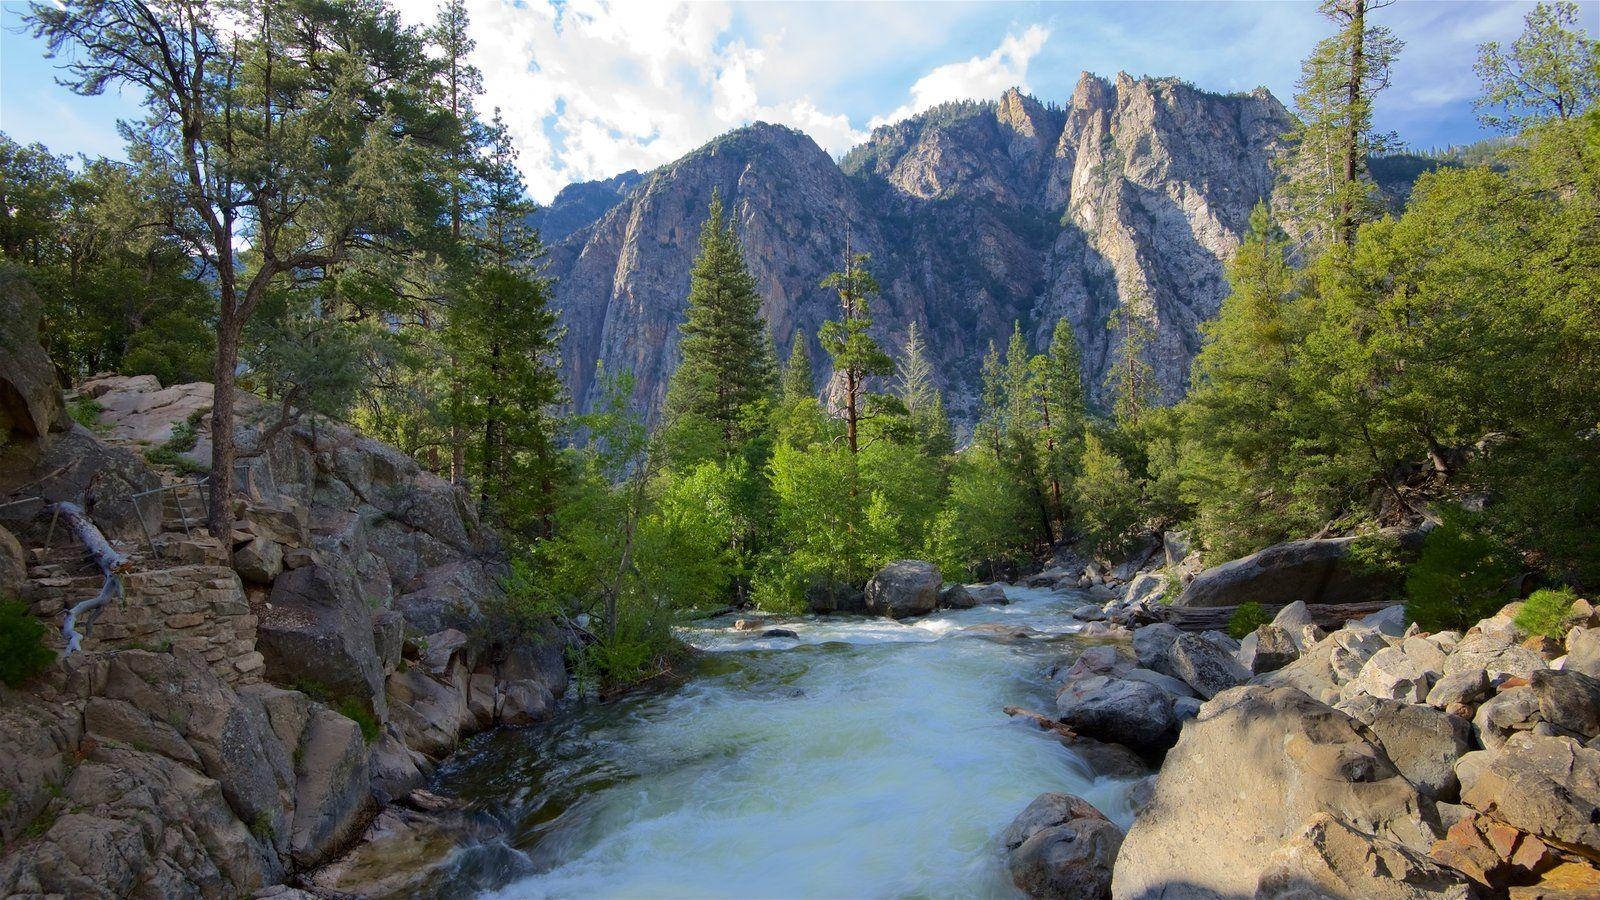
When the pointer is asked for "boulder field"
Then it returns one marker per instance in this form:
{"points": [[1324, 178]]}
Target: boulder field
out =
{"points": [[1368, 760]]}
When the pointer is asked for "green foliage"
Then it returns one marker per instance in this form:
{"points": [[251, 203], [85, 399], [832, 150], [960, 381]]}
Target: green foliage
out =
{"points": [[86, 412], [1107, 502], [1545, 611], [23, 653], [1463, 575], [1550, 72], [1375, 555], [1247, 618], [357, 711]]}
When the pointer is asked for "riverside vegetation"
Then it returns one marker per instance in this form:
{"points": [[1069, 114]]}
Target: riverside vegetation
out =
{"points": [[315, 212]]}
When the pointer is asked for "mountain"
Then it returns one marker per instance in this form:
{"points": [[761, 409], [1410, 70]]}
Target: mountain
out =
{"points": [[580, 205], [977, 215]]}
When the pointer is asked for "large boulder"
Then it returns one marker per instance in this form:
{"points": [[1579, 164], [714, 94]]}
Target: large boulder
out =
{"points": [[1244, 778], [1205, 666], [1583, 651], [904, 588], [30, 399], [1268, 649], [1062, 848], [988, 594], [332, 799], [1314, 571], [1330, 860], [1134, 713], [1423, 742], [1497, 653], [956, 596], [1569, 701], [1548, 786], [13, 566], [1152, 645], [316, 634], [1392, 674]]}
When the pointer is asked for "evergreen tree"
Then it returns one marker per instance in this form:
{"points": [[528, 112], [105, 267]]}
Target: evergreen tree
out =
{"points": [[503, 336], [727, 369], [1064, 411], [921, 397], [1327, 186], [797, 384], [856, 354], [1550, 72], [1132, 380]]}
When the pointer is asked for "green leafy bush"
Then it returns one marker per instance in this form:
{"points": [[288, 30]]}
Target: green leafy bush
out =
{"points": [[1247, 618], [1461, 576], [86, 412], [1545, 611], [356, 711], [22, 651]]}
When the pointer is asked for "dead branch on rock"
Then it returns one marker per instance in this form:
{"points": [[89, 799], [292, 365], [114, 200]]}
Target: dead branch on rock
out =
{"points": [[111, 564], [1044, 722]]}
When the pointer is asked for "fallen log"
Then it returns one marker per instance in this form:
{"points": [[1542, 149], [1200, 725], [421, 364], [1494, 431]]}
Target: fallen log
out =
{"points": [[1215, 618], [1045, 723], [111, 564]]}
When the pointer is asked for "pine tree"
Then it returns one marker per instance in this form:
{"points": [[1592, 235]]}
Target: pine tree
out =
{"points": [[1063, 409], [797, 384], [1326, 184], [921, 398], [504, 337], [1132, 380], [856, 354], [727, 367], [1550, 72]]}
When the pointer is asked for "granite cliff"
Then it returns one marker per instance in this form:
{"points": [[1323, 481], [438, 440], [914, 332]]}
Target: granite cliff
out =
{"points": [[977, 215]]}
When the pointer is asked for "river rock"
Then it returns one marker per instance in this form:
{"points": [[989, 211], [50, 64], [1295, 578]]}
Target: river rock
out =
{"points": [[1313, 571], [1583, 651], [1108, 760], [1548, 786], [1152, 645], [1062, 848], [1569, 701], [524, 702], [1146, 587], [1330, 859], [956, 596], [904, 588], [1510, 711], [1390, 620], [1244, 778], [1392, 674], [1174, 686], [780, 633], [1205, 665], [1423, 743], [1496, 653], [1133, 713], [1459, 691], [1294, 618], [988, 594], [1268, 649]]}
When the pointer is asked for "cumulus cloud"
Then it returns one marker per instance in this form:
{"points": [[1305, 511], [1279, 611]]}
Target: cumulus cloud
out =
{"points": [[981, 77]]}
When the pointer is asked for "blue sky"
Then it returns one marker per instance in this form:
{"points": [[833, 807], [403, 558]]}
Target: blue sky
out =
{"points": [[591, 89]]}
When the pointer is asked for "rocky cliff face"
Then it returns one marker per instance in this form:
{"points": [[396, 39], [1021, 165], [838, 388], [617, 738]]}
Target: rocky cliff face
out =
{"points": [[976, 215]]}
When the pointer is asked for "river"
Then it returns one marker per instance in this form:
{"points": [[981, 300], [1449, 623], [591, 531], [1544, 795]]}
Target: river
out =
{"points": [[865, 758]]}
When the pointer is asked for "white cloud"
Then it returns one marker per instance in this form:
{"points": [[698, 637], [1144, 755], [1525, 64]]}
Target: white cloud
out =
{"points": [[978, 78]]}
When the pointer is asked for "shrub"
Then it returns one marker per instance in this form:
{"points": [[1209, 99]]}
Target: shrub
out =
{"points": [[22, 651], [1545, 611], [1460, 577], [356, 711], [1247, 618], [86, 412]]}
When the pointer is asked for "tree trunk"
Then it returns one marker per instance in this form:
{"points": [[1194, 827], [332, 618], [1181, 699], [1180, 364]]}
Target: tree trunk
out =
{"points": [[1358, 35], [111, 564], [220, 518]]}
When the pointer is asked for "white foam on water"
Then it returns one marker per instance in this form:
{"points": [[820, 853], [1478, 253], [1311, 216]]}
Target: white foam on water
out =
{"points": [[866, 758]]}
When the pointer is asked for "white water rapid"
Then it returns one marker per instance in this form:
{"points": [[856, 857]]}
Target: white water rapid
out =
{"points": [[866, 758]]}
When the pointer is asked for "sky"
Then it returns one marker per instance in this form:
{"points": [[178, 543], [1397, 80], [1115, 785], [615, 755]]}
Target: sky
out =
{"points": [[590, 89]]}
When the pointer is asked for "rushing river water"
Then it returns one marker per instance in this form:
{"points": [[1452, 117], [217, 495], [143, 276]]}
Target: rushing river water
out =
{"points": [[867, 758]]}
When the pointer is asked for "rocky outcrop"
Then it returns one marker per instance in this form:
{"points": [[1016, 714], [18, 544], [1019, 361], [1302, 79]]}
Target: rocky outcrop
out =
{"points": [[30, 401], [1330, 859], [1244, 778], [976, 216], [905, 588]]}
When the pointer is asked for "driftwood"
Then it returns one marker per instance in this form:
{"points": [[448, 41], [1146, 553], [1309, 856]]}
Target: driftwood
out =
{"points": [[111, 563], [1327, 615], [1045, 723]]}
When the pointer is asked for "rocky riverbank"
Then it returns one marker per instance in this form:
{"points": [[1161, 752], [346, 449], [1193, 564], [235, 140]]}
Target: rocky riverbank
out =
{"points": [[1370, 760], [243, 712]]}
